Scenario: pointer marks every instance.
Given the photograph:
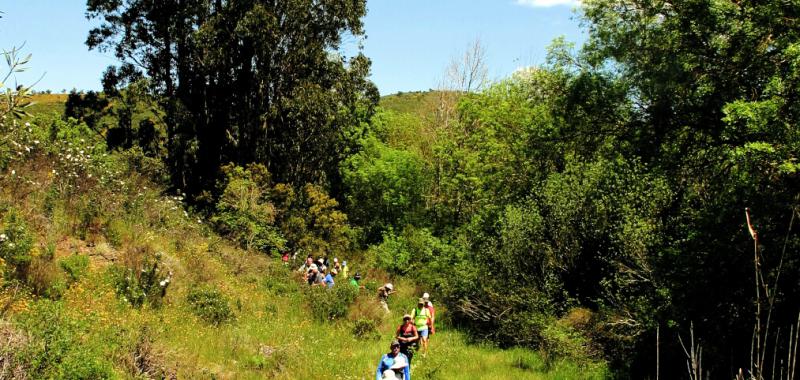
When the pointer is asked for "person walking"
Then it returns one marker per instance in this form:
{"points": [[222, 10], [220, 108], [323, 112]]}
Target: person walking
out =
{"points": [[354, 281], [408, 337], [432, 322], [345, 272], [383, 295], [394, 365], [329, 278], [421, 316]]}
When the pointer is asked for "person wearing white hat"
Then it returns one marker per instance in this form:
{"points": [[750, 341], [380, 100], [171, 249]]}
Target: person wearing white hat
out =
{"points": [[383, 295], [422, 319], [429, 306]]}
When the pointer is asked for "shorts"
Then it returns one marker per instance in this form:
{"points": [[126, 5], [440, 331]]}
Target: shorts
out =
{"points": [[424, 333]]}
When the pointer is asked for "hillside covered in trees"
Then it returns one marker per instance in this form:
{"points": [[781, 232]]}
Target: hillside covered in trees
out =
{"points": [[627, 209]]}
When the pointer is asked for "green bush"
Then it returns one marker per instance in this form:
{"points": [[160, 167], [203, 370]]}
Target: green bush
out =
{"points": [[244, 211], [210, 304], [15, 245], [366, 328], [329, 304], [137, 286]]}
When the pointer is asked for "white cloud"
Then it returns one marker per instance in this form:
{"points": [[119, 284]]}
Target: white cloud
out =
{"points": [[546, 3]]}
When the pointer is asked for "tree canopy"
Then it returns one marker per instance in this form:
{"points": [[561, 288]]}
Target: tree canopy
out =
{"points": [[243, 81]]}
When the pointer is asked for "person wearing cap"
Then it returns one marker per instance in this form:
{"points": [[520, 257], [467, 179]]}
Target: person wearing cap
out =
{"points": [[393, 365], [383, 295], [421, 317], [354, 281], [313, 276], [408, 336], [429, 306]]}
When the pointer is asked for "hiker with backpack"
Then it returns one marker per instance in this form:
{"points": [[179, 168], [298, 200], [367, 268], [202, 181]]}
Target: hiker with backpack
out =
{"points": [[408, 336]]}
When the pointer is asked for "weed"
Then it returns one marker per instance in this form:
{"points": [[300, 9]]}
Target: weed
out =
{"points": [[210, 304], [141, 281], [330, 304]]}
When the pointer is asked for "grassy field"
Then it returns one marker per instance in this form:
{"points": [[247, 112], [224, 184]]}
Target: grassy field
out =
{"points": [[47, 103]]}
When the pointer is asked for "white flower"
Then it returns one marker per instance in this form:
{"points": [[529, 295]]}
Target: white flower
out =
{"points": [[13, 172], [3, 237], [10, 245], [27, 124], [36, 142]]}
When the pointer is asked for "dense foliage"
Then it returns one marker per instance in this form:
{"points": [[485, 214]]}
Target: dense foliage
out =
{"points": [[241, 82], [611, 183]]}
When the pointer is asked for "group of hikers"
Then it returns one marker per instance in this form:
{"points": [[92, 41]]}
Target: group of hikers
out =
{"points": [[324, 273], [412, 335]]}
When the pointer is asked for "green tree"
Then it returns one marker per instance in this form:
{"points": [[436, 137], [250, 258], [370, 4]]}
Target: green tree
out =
{"points": [[244, 81], [384, 187]]}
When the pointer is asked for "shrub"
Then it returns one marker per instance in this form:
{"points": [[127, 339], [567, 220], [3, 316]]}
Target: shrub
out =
{"points": [[244, 211], [330, 304], [45, 279], [560, 341], [15, 245], [312, 220], [366, 316], [210, 304], [141, 282], [366, 328]]}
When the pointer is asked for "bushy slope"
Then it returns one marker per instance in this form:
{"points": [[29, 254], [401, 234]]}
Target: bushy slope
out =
{"points": [[106, 275]]}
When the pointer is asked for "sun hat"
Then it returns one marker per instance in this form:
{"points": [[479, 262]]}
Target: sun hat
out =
{"points": [[394, 343], [421, 302], [389, 286], [407, 316], [426, 296]]}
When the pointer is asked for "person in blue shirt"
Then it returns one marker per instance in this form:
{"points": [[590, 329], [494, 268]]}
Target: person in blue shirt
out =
{"points": [[393, 365], [329, 278]]}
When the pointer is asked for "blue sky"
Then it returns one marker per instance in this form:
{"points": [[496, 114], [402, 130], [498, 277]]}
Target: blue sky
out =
{"points": [[410, 42]]}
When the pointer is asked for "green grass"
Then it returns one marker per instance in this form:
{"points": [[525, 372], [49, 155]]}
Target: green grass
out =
{"points": [[47, 103], [423, 104]]}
